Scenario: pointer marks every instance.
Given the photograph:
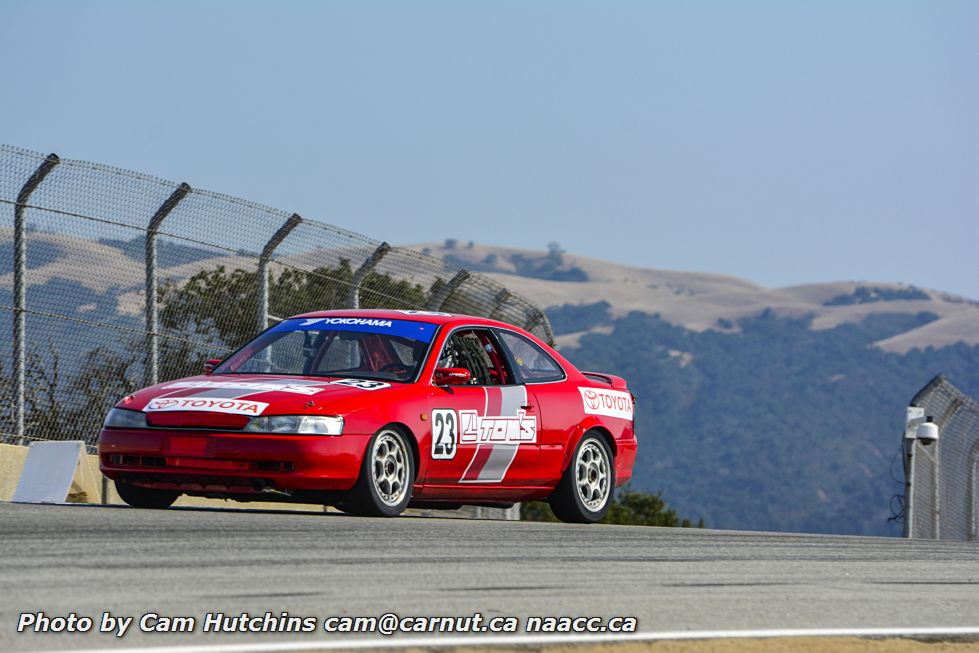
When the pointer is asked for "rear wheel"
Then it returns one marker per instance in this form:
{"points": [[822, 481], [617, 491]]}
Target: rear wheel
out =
{"points": [[387, 476], [144, 497], [584, 493]]}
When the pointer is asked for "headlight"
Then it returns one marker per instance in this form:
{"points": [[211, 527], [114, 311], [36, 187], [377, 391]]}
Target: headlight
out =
{"points": [[299, 424], [120, 418]]}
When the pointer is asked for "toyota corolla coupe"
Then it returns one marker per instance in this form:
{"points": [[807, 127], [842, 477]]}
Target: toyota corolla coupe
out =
{"points": [[375, 411]]}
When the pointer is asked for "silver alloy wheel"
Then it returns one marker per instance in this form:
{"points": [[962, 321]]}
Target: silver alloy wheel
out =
{"points": [[592, 475], [389, 467]]}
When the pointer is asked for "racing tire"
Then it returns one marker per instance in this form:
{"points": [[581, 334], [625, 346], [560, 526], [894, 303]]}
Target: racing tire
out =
{"points": [[144, 497], [387, 477], [584, 493]]}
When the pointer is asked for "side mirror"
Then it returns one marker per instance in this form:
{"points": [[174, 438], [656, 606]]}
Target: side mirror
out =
{"points": [[452, 376], [210, 364]]}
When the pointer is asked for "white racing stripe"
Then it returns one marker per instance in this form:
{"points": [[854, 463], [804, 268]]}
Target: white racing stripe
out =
{"points": [[535, 640]]}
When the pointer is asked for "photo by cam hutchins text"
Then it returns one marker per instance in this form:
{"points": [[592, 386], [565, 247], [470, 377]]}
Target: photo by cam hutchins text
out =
{"points": [[283, 622]]}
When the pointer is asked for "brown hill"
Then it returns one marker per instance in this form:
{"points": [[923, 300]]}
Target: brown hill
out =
{"points": [[699, 301], [695, 300]]}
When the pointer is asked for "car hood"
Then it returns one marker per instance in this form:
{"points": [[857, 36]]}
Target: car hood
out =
{"points": [[255, 395]]}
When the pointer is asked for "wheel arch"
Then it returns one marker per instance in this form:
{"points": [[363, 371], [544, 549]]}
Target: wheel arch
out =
{"points": [[583, 429], [412, 439], [606, 435], [567, 501]]}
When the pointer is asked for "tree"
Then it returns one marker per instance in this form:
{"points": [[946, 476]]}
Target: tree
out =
{"points": [[220, 306], [105, 376], [643, 509], [629, 507], [555, 253], [772, 424], [44, 411]]}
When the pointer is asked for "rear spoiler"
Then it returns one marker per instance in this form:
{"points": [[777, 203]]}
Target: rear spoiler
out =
{"points": [[617, 382]]}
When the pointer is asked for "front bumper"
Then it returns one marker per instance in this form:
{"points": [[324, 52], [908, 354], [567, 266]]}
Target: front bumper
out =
{"points": [[214, 463]]}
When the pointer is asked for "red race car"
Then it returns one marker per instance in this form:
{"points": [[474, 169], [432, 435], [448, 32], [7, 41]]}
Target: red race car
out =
{"points": [[373, 411]]}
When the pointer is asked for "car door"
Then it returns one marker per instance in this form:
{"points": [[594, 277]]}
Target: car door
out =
{"points": [[556, 401], [484, 433]]}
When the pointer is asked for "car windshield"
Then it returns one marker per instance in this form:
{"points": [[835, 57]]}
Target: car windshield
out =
{"points": [[354, 347]]}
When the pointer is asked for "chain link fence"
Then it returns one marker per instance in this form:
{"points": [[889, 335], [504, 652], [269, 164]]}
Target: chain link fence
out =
{"points": [[942, 477], [111, 280]]}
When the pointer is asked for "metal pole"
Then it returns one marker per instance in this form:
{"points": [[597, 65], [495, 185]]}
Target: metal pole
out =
{"points": [[498, 301], [909, 489], [152, 371], [443, 294], [536, 316], [353, 294], [20, 287], [263, 263], [974, 494], [936, 486]]}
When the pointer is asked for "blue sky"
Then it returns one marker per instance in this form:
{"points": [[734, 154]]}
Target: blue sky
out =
{"points": [[782, 142]]}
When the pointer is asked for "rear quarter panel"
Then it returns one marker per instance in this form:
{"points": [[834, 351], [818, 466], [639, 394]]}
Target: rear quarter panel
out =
{"points": [[565, 420]]}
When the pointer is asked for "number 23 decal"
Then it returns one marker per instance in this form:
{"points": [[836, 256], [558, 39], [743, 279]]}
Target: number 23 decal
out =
{"points": [[445, 434], [363, 384]]}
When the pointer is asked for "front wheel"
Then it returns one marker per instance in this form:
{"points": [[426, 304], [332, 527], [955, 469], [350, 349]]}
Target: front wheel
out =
{"points": [[144, 497], [584, 494], [387, 477]]}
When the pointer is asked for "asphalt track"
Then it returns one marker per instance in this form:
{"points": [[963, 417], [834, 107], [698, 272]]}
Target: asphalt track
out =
{"points": [[188, 562]]}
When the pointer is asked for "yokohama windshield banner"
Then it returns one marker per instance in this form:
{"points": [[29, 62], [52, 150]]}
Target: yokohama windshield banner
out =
{"points": [[402, 328]]}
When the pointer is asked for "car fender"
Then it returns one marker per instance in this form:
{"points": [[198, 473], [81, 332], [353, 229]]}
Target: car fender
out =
{"points": [[409, 423], [590, 422]]}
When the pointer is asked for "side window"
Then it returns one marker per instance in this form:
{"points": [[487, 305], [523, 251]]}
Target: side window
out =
{"points": [[476, 351], [533, 363]]}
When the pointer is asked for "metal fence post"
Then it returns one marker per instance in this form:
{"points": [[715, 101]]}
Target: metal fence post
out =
{"points": [[936, 497], [152, 318], [20, 287], [353, 294], [501, 298], [443, 293], [536, 317], [263, 265], [973, 502], [909, 488]]}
